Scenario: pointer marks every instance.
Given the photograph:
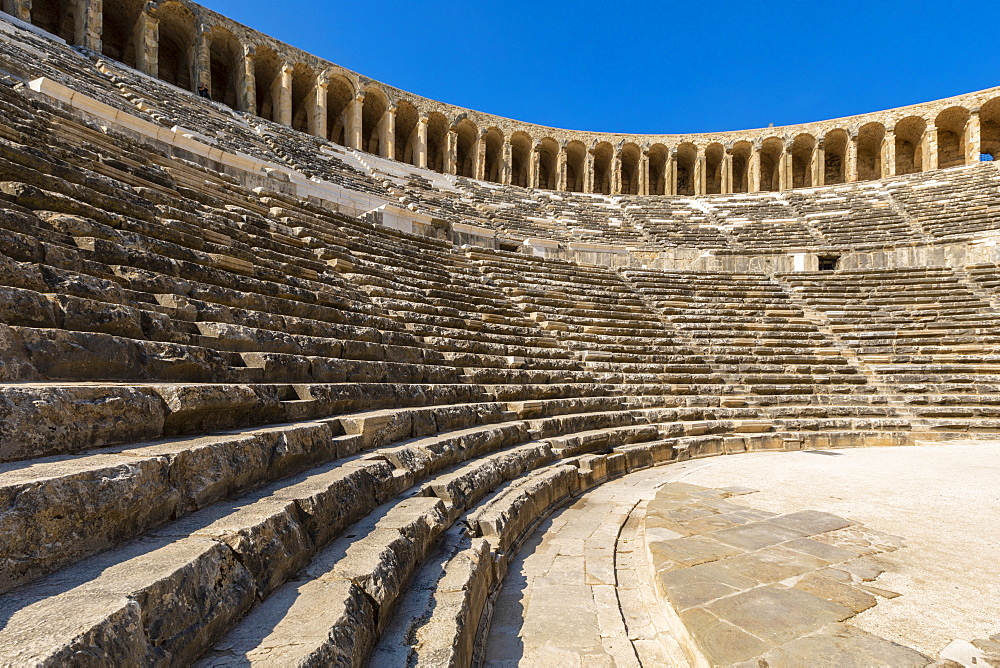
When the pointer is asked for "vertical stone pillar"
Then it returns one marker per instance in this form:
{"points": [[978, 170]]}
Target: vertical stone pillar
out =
{"points": [[88, 26], [929, 145], [318, 119], [480, 172], [753, 172], [644, 173], [616, 173], [889, 153], [20, 9], [202, 64], [562, 176], [146, 36], [420, 150], [819, 164], [785, 168], [588, 172], [700, 172], [973, 137], [671, 173], [726, 184], [387, 133], [284, 115], [506, 173], [535, 166], [352, 131], [451, 154], [851, 158], [246, 83]]}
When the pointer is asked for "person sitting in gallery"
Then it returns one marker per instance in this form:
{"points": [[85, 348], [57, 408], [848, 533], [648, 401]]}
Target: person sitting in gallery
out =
{"points": [[204, 92]]}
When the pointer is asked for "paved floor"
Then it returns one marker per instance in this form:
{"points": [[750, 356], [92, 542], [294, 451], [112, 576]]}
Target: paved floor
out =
{"points": [[943, 500], [576, 595]]}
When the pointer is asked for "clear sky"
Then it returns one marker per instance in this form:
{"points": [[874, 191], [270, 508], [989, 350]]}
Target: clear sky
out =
{"points": [[651, 67]]}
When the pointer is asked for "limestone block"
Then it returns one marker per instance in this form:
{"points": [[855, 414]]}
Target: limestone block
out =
{"points": [[40, 421], [59, 511]]}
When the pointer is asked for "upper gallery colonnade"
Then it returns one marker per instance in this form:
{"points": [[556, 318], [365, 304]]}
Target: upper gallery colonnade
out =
{"points": [[185, 44]]}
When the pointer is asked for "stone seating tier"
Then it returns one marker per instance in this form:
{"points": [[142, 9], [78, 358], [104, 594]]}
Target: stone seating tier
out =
{"points": [[323, 439]]}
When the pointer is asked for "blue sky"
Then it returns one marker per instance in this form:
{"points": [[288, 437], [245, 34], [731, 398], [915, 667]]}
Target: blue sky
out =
{"points": [[649, 67]]}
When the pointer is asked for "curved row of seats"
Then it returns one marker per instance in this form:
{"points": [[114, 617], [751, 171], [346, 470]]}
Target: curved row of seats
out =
{"points": [[239, 427]]}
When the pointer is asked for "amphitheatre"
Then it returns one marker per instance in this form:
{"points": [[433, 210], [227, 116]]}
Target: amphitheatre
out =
{"points": [[321, 372]]}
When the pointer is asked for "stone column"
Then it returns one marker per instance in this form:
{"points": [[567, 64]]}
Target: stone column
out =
{"points": [[318, 119], [562, 160], [889, 153], [753, 171], [973, 137], [851, 158], [420, 150], [146, 37], [535, 166], [246, 90], [671, 173], [480, 172], [644, 173], [284, 115], [616, 173], [588, 172], [700, 172], [451, 154], [819, 164], [352, 122], [785, 168], [89, 24], [387, 133], [506, 173], [202, 64], [726, 185], [19, 9], [930, 148]]}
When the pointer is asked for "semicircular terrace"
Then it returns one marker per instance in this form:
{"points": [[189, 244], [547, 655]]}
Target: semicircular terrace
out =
{"points": [[185, 44], [245, 420]]}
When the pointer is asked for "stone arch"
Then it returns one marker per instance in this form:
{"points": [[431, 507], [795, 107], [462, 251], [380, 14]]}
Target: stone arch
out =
{"points": [[715, 153], [742, 152], [437, 141], [803, 151], [870, 138], [989, 121], [909, 135], [119, 38], [687, 156], [176, 47], [658, 156], [267, 80], [373, 120], [951, 140], [406, 135], [303, 106], [770, 163], [835, 156], [55, 16], [631, 158], [548, 160], [576, 166], [494, 154], [466, 149], [603, 153], [227, 68], [340, 94], [520, 158]]}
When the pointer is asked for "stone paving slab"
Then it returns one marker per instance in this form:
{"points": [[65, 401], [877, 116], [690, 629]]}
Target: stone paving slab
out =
{"points": [[770, 588]]}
